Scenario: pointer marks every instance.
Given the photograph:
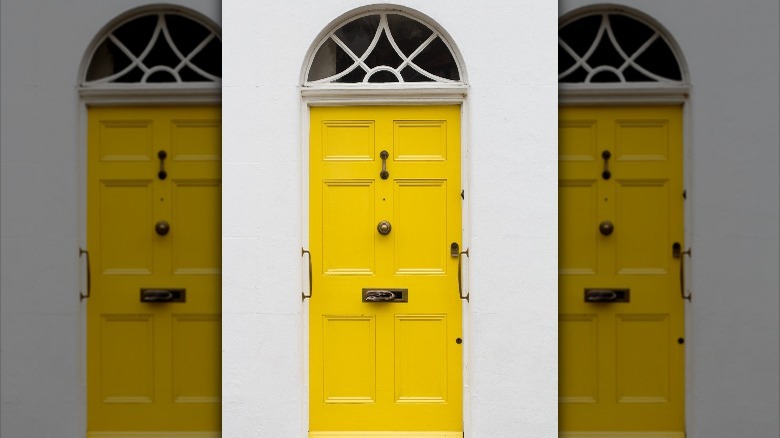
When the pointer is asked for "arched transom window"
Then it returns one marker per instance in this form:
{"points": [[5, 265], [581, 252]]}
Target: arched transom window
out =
{"points": [[380, 48], [612, 47], [159, 47]]}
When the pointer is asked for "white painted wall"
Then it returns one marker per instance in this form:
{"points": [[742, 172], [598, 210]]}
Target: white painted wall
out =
{"points": [[732, 160], [42, 216], [509, 52]]}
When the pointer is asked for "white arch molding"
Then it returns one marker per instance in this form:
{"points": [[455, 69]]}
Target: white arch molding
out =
{"points": [[407, 79], [171, 54], [589, 74]]}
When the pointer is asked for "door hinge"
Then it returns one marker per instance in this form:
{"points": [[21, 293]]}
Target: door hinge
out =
{"points": [[462, 194], [685, 194]]}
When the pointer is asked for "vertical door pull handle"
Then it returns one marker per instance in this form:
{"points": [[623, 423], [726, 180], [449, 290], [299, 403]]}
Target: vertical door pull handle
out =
{"points": [[606, 174], [678, 253], [89, 276], [303, 294], [162, 174], [460, 275], [384, 174]]}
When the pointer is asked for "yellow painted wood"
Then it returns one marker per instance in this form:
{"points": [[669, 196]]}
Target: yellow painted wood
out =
{"points": [[621, 365], [153, 369], [379, 369]]}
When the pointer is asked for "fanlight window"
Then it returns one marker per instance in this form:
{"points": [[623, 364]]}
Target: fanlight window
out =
{"points": [[157, 48], [383, 48], [616, 48]]}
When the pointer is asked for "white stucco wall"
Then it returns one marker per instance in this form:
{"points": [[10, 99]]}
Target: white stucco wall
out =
{"points": [[732, 210], [509, 53]]}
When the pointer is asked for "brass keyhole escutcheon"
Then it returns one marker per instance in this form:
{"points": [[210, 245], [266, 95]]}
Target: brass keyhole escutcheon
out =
{"points": [[384, 227], [162, 228], [606, 228]]}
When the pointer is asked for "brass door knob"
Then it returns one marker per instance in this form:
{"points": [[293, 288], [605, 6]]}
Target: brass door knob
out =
{"points": [[606, 228], [384, 227], [162, 228]]}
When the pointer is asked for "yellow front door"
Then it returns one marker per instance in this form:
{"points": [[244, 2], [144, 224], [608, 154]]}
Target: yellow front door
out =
{"points": [[153, 220], [621, 309], [385, 231]]}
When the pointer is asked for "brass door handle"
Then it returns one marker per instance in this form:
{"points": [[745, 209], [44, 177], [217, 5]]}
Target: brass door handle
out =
{"points": [[89, 276], [303, 295], [384, 227], [384, 174], [460, 271]]}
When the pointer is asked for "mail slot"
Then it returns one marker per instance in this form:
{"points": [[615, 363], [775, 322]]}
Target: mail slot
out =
{"points": [[159, 295], [385, 295], [602, 295]]}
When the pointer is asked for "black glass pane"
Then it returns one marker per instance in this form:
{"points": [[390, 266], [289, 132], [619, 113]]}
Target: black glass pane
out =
{"points": [[107, 60], [134, 75], [352, 77], [580, 34], [605, 54], [577, 76], [565, 61], [408, 34], [136, 34], [209, 59], [383, 54], [382, 76], [411, 75], [437, 59], [633, 75], [161, 54], [161, 76], [189, 75], [629, 33], [659, 59], [358, 34], [185, 33], [605, 76], [324, 63]]}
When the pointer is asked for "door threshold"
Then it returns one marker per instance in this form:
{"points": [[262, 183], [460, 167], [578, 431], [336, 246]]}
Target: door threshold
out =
{"points": [[385, 434], [154, 434], [623, 434]]}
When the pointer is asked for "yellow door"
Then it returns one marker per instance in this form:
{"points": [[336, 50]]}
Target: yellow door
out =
{"points": [[621, 310], [385, 316], [153, 220]]}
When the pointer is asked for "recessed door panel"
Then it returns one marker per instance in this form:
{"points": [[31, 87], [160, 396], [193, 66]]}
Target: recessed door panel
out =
{"points": [[579, 358], [125, 140], [423, 140], [348, 219], [421, 216], [385, 341], [349, 365], [127, 358], [195, 344], [196, 214], [126, 217], [421, 358], [577, 220], [621, 345]]}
